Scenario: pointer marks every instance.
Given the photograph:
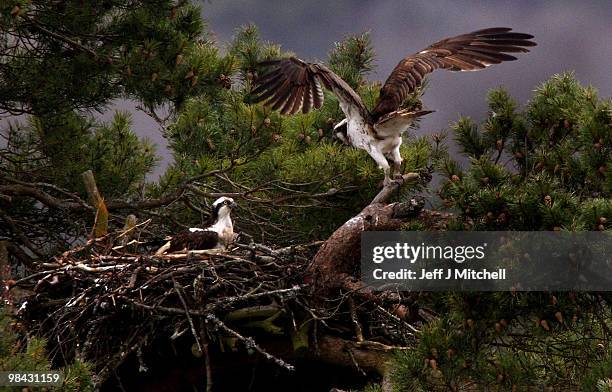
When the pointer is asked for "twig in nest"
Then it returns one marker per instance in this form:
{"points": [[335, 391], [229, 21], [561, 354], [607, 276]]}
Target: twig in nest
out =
{"points": [[350, 352], [293, 289], [248, 342], [133, 278], [397, 319], [204, 337], [202, 347], [177, 288], [165, 309], [353, 310]]}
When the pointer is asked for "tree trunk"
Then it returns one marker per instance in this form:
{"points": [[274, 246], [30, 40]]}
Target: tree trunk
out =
{"points": [[336, 264]]}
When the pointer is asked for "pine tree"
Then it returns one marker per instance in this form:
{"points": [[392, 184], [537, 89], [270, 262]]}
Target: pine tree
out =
{"points": [[546, 167], [72, 55], [311, 183], [62, 62], [295, 182], [543, 168], [29, 354]]}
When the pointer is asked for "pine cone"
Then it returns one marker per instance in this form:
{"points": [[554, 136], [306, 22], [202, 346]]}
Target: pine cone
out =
{"points": [[499, 144], [470, 323]]}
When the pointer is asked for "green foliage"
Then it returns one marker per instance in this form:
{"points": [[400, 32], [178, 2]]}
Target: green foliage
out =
{"points": [[77, 377], [118, 158], [85, 57], [505, 340], [17, 354], [537, 169], [33, 358], [469, 138], [68, 145], [545, 168], [604, 385], [293, 175], [373, 388], [305, 183], [249, 50], [352, 59], [87, 54]]}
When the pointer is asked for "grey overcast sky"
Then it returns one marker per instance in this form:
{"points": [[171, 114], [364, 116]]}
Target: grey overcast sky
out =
{"points": [[571, 35]]}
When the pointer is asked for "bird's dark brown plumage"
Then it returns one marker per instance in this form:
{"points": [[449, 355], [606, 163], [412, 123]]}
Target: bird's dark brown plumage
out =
{"points": [[194, 240], [292, 85], [466, 52]]}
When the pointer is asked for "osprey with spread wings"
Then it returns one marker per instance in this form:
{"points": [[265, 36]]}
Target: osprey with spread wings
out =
{"points": [[292, 85]]}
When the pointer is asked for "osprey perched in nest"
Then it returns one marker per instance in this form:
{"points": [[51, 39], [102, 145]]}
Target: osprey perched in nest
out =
{"points": [[219, 235], [292, 85]]}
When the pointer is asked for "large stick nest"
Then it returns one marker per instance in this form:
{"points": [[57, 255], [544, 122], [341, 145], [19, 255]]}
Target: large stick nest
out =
{"points": [[104, 302]]}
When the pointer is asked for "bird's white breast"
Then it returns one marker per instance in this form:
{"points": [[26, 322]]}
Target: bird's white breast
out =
{"points": [[225, 228], [388, 138], [389, 143], [358, 134]]}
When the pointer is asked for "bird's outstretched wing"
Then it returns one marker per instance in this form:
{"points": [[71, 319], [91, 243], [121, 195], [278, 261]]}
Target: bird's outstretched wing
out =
{"points": [[467, 52], [292, 85]]}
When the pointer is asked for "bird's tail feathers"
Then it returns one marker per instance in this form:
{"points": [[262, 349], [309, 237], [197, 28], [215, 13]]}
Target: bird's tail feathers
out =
{"points": [[417, 113], [404, 114], [398, 120]]}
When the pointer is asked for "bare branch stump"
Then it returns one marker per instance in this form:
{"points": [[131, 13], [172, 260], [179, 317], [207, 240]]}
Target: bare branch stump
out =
{"points": [[336, 264]]}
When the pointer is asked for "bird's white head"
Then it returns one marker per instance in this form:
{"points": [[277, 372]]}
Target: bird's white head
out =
{"points": [[223, 206], [341, 131]]}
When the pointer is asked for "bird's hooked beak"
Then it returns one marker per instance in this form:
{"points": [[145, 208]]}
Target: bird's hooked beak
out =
{"points": [[233, 205]]}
